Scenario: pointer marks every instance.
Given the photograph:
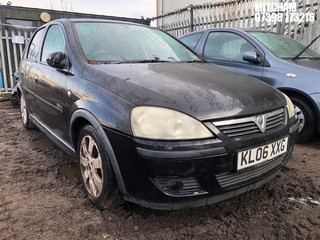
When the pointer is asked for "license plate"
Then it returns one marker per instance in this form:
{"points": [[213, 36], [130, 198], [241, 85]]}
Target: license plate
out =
{"points": [[261, 154]]}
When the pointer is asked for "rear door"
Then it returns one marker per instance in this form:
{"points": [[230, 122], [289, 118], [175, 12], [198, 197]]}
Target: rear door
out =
{"points": [[30, 71]]}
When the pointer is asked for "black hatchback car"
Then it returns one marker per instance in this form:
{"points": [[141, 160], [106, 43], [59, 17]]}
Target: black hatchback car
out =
{"points": [[145, 116]]}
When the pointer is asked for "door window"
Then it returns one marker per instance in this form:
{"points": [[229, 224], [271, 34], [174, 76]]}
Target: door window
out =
{"points": [[35, 46], [54, 42], [226, 46], [191, 40]]}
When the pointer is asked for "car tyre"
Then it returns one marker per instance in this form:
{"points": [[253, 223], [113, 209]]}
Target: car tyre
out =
{"points": [[307, 122], [25, 116], [95, 168]]}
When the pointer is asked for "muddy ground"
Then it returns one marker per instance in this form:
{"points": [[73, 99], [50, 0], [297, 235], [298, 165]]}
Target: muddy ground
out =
{"points": [[41, 198]]}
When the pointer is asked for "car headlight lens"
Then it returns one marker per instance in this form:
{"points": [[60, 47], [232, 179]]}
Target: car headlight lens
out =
{"points": [[290, 106], [166, 124]]}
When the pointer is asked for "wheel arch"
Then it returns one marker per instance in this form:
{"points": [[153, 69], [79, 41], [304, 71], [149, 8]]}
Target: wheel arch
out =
{"points": [[15, 98], [307, 99], [19, 90], [78, 120]]}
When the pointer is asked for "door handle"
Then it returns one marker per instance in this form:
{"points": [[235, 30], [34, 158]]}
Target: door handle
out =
{"points": [[36, 78], [69, 94], [72, 96]]}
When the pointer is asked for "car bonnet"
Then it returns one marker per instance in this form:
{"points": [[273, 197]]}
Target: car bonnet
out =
{"points": [[203, 91], [309, 63]]}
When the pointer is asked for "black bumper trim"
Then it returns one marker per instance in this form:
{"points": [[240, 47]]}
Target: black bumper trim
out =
{"points": [[214, 152], [295, 127], [200, 202]]}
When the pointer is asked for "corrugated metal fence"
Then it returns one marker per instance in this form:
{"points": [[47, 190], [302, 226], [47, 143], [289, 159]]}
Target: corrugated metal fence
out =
{"points": [[302, 24]]}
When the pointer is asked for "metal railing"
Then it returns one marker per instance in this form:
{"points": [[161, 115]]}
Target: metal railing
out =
{"points": [[242, 14], [10, 55]]}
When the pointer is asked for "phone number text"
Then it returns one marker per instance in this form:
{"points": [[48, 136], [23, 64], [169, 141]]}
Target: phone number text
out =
{"points": [[284, 17]]}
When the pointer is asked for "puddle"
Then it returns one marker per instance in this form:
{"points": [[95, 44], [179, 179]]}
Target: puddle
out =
{"points": [[69, 171], [41, 143]]}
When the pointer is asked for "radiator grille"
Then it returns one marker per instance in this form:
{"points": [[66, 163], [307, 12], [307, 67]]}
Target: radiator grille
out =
{"points": [[250, 125], [238, 179]]}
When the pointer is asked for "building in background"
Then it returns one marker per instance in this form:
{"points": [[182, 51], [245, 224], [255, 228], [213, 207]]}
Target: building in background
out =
{"points": [[34, 17], [165, 6], [168, 6]]}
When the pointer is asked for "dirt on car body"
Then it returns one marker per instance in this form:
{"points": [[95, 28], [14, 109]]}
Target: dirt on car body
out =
{"points": [[41, 198]]}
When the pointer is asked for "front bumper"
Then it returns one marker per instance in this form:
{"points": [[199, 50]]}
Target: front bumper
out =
{"points": [[171, 175]]}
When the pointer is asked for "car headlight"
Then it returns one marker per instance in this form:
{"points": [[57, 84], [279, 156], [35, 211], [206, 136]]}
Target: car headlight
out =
{"points": [[166, 124], [290, 106]]}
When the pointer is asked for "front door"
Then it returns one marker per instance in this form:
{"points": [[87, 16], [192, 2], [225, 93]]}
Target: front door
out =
{"points": [[226, 49], [51, 84]]}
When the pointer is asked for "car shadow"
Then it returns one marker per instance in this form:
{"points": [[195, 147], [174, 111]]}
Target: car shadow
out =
{"points": [[313, 142]]}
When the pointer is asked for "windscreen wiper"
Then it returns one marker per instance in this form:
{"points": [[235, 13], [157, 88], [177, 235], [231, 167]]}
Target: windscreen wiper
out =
{"points": [[195, 61], [142, 61], [303, 50]]}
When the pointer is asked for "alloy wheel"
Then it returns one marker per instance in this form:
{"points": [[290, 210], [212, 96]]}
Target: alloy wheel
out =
{"points": [[23, 110], [91, 166], [301, 117]]}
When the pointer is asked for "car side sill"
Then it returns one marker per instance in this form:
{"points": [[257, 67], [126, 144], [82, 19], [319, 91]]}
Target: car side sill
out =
{"points": [[53, 137]]}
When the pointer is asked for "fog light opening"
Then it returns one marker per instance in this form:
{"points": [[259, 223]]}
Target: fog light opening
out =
{"points": [[175, 186]]}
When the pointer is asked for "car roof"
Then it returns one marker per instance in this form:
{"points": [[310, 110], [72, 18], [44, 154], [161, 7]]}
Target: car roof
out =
{"points": [[77, 20], [229, 29]]}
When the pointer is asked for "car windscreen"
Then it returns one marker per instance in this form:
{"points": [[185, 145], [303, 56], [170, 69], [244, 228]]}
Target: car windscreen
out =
{"points": [[120, 43], [282, 46]]}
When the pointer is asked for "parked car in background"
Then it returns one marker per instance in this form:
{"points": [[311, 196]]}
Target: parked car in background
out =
{"points": [[275, 59], [146, 116]]}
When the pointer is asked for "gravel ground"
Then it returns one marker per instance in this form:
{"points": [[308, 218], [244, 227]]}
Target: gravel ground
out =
{"points": [[41, 198]]}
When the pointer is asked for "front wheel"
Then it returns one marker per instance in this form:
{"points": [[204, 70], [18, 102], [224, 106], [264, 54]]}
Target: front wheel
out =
{"points": [[95, 168], [306, 118]]}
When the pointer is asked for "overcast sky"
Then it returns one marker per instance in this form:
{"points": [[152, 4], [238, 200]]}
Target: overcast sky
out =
{"points": [[122, 8]]}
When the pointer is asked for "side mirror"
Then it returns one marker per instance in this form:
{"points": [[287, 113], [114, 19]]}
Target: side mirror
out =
{"points": [[251, 57], [57, 60]]}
